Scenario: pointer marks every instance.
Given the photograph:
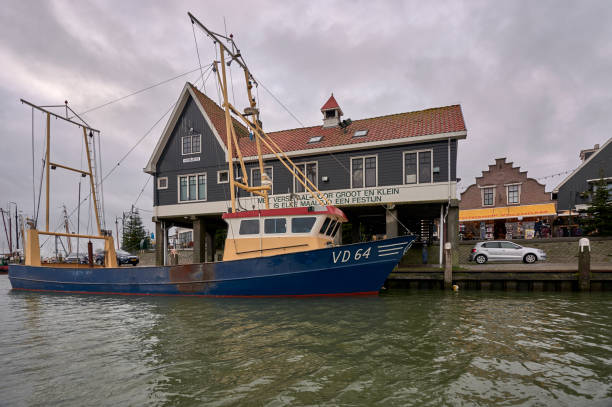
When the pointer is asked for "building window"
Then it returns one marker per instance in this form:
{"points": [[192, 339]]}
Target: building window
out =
{"points": [[514, 194], [418, 167], [222, 177], [256, 178], [363, 172], [314, 139], [162, 183], [487, 196], [192, 187], [311, 171], [191, 144], [330, 113], [360, 133]]}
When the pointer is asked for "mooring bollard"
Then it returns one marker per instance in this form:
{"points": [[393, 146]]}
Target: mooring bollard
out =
{"points": [[448, 266], [173, 258], [584, 265]]}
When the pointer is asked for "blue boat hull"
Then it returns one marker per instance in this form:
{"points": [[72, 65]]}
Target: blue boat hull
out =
{"points": [[360, 268]]}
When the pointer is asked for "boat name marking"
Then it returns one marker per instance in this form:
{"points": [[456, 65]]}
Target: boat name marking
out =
{"points": [[345, 255]]}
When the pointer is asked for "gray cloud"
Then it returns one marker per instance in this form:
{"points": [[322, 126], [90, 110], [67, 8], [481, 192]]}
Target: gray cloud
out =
{"points": [[533, 78]]}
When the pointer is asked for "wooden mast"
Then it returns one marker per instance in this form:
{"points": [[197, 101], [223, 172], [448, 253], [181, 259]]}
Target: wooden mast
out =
{"points": [[254, 126], [47, 169], [91, 181]]}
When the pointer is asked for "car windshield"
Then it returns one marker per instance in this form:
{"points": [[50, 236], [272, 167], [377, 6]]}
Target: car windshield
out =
{"points": [[123, 253]]}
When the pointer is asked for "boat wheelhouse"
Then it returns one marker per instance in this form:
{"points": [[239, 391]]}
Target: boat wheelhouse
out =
{"points": [[269, 232]]}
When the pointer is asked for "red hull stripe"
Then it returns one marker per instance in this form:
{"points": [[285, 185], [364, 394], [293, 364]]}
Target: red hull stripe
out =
{"points": [[204, 295], [331, 210]]}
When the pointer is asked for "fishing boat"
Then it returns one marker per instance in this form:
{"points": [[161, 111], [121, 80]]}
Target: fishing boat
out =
{"points": [[268, 252]]}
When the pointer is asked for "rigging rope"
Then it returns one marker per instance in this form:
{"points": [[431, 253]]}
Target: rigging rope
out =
{"points": [[198, 52], [137, 92]]}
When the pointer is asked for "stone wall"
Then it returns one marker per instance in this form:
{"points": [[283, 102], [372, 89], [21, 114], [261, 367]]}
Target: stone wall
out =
{"points": [[558, 250]]}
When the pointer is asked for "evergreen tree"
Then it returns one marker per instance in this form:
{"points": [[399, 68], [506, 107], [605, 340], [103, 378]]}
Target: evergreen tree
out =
{"points": [[599, 220], [133, 233]]}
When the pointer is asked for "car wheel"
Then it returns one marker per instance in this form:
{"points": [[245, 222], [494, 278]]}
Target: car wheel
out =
{"points": [[530, 258], [481, 259], [134, 264], [99, 262]]}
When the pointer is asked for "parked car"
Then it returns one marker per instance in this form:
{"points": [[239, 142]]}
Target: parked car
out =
{"points": [[123, 257], [501, 250], [81, 258]]}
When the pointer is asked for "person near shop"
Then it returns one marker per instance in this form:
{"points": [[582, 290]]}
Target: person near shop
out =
{"points": [[538, 228]]}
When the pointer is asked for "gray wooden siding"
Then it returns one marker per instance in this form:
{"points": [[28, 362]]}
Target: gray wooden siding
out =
{"points": [[569, 193], [334, 166]]}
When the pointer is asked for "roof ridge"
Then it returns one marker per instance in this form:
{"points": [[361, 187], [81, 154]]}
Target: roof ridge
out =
{"points": [[369, 118]]}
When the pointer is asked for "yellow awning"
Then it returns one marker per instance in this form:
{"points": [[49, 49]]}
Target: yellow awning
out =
{"points": [[508, 212]]}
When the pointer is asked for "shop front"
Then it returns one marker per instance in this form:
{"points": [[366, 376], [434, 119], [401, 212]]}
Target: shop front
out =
{"points": [[510, 222]]}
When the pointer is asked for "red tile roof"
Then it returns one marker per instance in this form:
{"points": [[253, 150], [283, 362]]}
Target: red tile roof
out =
{"points": [[395, 126], [330, 104]]}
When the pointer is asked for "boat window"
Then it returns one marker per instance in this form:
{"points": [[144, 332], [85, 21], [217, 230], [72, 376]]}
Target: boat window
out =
{"points": [[336, 229], [302, 225], [331, 228], [325, 225], [275, 225], [249, 227]]}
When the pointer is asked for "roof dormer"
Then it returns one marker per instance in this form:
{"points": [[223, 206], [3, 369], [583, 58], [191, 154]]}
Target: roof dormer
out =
{"points": [[331, 112]]}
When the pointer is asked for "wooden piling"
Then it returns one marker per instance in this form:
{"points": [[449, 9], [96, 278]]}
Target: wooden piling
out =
{"points": [[584, 265], [448, 266]]}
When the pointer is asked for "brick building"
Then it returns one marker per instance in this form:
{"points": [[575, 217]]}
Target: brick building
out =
{"points": [[504, 204]]}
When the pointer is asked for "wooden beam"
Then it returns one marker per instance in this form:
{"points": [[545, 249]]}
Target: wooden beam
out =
{"points": [[69, 168], [91, 181]]}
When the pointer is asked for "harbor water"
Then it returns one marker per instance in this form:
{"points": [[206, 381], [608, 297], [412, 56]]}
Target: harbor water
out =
{"points": [[421, 348]]}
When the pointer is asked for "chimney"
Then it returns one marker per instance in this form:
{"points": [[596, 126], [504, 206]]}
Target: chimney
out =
{"points": [[331, 112], [585, 154]]}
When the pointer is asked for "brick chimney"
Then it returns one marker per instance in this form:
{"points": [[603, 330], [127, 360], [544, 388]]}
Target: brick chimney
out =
{"points": [[331, 112], [585, 154]]}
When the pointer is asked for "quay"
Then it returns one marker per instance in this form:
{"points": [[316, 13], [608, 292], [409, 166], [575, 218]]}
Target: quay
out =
{"points": [[503, 276]]}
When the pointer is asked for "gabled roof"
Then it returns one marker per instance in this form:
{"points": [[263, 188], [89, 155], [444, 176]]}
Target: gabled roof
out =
{"points": [[556, 190], [330, 104], [400, 128]]}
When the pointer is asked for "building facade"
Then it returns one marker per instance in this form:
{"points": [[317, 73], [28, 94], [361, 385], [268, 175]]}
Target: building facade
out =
{"points": [[389, 174], [573, 192], [505, 204]]}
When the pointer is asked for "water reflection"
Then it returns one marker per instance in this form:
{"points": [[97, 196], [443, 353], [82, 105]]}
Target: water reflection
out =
{"points": [[400, 348]]}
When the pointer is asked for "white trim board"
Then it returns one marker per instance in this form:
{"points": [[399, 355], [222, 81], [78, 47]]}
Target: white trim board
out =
{"points": [[410, 194]]}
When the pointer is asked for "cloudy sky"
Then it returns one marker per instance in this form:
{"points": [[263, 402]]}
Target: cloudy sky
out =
{"points": [[533, 78]]}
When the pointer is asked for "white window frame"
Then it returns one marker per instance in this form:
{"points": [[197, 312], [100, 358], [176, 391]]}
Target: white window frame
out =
{"points": [[219, 178], [159, 182], [363, 157], [271, 192], [178, 190], [192, 152], [295, 181], [482, 189], [418, 173], [508, 193]]}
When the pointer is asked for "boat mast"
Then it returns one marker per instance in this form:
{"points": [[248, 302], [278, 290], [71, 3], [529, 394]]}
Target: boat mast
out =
{"points": [[254, 125], [51, 165]]}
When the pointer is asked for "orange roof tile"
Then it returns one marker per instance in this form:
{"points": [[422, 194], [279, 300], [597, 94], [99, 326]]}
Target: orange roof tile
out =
{"points": [[395, 126]]}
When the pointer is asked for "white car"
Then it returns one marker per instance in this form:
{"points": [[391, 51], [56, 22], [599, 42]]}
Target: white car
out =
{"points": [[501, 250]]}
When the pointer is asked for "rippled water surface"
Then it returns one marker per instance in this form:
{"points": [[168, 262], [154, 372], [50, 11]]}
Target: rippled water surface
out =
{"points": [[422, 348]]}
